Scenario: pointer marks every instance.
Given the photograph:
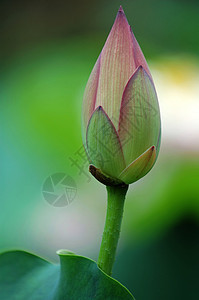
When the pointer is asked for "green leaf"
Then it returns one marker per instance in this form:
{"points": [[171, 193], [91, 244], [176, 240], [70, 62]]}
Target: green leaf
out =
{"points": [[103, 144], [24, 276]]}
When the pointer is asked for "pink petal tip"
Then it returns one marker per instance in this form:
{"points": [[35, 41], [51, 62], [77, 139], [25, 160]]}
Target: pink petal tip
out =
{"points": [[121, 9]]}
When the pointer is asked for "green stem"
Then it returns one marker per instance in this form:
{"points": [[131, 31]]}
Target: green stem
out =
{"points": [[115, 206]]}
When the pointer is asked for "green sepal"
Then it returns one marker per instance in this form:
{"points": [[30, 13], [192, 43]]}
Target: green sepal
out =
{"points": [[103, 144], [139, 124], [139, 167], [103, 178]]}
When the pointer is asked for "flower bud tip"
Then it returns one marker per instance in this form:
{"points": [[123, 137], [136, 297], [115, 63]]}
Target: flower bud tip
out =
{"points": [[121, 9]]}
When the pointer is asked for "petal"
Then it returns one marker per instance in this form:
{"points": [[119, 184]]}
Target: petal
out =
{"points": [[139, 167], [117, 66], [103, 144], [139, 56], [89, 98], [139, 124]]}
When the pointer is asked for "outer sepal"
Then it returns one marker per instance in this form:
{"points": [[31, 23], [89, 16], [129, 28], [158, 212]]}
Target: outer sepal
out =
{"points": [[139, 167], [103, 144], [139, 124], [104, 178]]}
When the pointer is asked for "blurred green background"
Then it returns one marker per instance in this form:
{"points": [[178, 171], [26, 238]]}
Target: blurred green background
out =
{"points": [[48, 49]]}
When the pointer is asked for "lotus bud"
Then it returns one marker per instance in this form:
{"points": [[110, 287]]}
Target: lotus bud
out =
{"points": [[121, 119]]}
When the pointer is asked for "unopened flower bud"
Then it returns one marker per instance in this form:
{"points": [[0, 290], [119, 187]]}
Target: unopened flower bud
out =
{"points": [[121, 118]]}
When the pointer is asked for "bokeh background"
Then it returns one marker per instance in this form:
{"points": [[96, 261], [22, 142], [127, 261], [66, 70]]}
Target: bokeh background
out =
{"points": [[47, 51]]}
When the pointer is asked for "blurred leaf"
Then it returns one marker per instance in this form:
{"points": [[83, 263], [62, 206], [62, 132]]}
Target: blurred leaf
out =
{"points": [[26, 276]]}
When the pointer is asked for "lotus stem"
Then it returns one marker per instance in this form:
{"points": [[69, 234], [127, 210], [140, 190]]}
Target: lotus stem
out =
{"points": [[115, 207]]}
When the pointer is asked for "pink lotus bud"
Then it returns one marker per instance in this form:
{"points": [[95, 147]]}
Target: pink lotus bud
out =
{"points": [[121, 118]]}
